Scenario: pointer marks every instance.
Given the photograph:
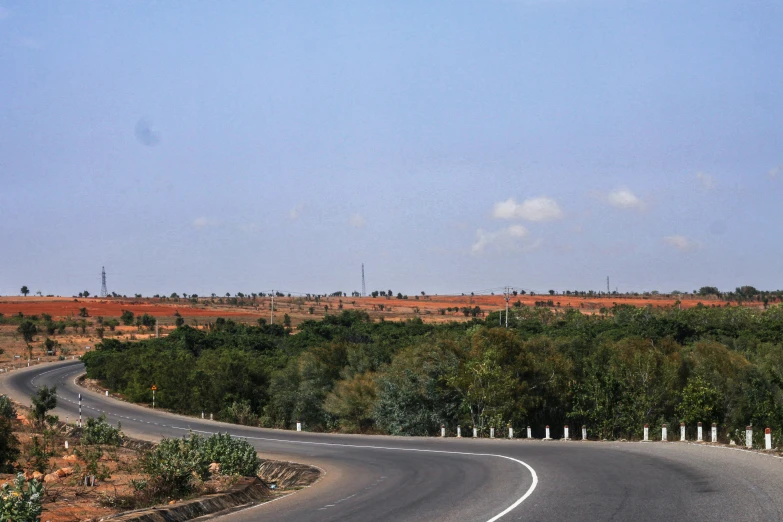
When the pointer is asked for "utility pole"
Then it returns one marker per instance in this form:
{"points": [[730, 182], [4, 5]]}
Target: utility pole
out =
{"points": [[272, 311], [364, 290], [508, 296], [607, 286]]}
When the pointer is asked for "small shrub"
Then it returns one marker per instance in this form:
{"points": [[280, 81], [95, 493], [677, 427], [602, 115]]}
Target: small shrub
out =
{"points": [[99, 431], [20, 501]]}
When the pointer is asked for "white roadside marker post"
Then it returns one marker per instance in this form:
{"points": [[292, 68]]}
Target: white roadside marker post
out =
{"points": [[714, 432], [529, 433], [646, 433], [442, 430], [298, 426], [682, 432], [664, 435], [475, 432], [749, 436], [768, 439], [459, 432], [491, 433], [510, 432], [210, 416], [547, 434], [584, 432], [565, 433], [699, 437]]}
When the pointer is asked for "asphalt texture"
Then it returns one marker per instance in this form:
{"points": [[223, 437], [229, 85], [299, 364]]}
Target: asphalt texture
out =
{"points": [[414, 478]]}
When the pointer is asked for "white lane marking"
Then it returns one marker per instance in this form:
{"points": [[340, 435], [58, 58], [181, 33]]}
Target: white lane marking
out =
{"points": [[493, 519], [500, 515]]}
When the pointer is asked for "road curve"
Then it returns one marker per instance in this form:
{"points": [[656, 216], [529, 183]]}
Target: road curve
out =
{"points": [[412, 478]]}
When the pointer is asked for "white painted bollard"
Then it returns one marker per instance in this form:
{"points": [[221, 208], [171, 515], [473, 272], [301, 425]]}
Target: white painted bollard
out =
{"points": [[749, 436], [442, 430], [28, 362], [510, 432], [646, 433], [298, 426], [492, 433], [682, 432], [66, 444], [547, 434], [584, 432], [768, 439], [565, 433], [475, 432], [699, 433], [714, 432], [210, 416], [202, 414], [529, 433], [664, 435], [459, 431]]}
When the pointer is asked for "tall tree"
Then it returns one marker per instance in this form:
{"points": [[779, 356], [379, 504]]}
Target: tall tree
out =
{"points": [[25, 291]]}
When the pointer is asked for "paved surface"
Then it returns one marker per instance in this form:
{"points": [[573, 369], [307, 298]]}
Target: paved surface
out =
{"points": [[400, 478]]}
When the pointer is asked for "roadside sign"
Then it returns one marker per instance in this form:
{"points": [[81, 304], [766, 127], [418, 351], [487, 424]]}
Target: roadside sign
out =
{"points": [[154, 387]]}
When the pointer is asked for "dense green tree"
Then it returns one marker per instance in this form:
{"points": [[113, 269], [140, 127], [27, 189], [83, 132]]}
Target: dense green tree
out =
{"points": [[24, 291]]}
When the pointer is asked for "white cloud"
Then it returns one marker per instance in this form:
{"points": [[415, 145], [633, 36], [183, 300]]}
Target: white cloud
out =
{"points": [[202, 222], [775, 172], [356, 221], [295, 212], [506, 239], [681, 243], [705, 180], [534, 209], [624, 198]]}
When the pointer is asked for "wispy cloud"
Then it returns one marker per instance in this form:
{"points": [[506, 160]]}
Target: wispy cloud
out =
{"points": [[705, 180], [533, 209], [624, 199], [775, 172], [356, 221], [681, 243], [513, 238], [203, 222], [295, 212]]}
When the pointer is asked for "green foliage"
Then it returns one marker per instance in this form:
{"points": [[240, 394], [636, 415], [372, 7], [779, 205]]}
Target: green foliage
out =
{"points": [[175, 465], [99, 431], [44, 400], [28, 330], [127, 318], [9, 444], [20, 501], [614, 371], [39, 454]]}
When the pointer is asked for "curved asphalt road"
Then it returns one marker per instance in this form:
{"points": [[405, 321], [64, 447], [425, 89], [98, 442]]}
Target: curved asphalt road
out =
{"points": [[401, 479]]}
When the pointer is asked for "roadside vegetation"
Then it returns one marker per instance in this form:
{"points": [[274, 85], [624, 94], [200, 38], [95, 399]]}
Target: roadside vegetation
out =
{"points": [[613, 371], [62, 472]]}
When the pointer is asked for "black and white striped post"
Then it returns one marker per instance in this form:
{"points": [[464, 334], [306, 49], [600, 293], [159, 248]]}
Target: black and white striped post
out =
{"points": [[80, 410]]}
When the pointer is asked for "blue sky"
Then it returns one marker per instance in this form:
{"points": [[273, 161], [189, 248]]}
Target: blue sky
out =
{"points": [[450, 146]]}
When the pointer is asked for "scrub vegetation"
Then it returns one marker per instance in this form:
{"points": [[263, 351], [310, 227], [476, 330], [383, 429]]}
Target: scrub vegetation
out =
{"points": [[613, 371]]}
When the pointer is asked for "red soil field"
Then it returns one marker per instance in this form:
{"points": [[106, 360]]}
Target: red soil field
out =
{"points": [[427, 305]]}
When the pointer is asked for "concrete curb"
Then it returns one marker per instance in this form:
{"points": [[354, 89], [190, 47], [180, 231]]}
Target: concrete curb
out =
{"points": [[247, 491]]}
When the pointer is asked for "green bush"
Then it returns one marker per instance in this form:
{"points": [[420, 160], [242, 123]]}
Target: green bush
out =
{"points": [[19, 503], [175, 465], [99, 431]]}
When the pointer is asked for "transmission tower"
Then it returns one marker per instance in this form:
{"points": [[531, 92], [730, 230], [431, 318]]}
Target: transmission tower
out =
{"points": [[364, 290], [104, 291]]}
